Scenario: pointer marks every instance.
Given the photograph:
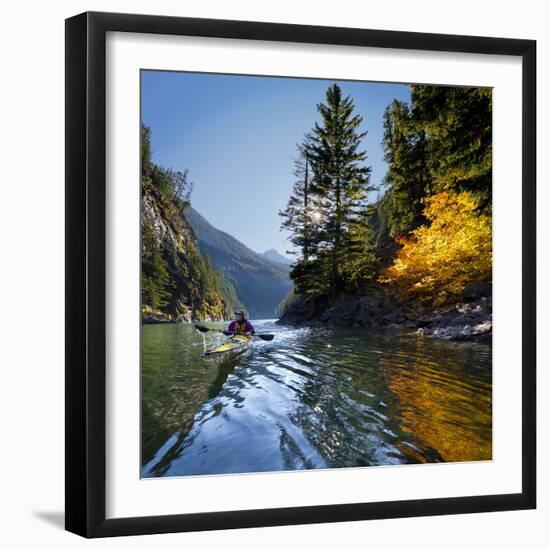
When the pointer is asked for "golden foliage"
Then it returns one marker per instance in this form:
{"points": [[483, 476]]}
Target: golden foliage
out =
{"points": [[437, 260]]}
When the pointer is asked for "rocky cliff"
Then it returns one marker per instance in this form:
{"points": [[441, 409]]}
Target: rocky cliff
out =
{"points": [[178, 283]]}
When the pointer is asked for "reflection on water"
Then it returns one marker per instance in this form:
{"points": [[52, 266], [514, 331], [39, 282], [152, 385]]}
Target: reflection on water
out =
{"points": [[312, 398]]}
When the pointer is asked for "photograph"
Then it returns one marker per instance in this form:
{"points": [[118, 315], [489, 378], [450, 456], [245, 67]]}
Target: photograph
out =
{"points": [[316, 273]]}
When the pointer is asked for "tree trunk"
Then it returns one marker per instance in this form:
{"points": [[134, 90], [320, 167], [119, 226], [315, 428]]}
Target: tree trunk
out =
{"points": [[336, 243], [306, 222]]}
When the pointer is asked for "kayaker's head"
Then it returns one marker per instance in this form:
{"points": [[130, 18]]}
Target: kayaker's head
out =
{"points": [[239, 316]]}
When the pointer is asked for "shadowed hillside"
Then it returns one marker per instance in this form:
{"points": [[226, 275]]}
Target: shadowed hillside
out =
{"points": [[260, 283], [274, 256]]}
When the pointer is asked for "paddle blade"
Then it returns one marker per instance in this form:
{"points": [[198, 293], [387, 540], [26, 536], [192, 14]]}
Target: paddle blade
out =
{"points": [[200, 328], [267, 337]]}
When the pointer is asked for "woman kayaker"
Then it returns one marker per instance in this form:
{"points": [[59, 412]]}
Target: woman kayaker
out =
{"points": [[240, 325]]}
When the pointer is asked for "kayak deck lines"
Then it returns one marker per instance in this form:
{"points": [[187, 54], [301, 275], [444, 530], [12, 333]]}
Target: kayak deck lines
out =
{"points": [[229, 348]]}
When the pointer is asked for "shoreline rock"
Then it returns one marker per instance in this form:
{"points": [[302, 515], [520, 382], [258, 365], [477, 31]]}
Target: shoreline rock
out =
{"points": [[159, 318], [155, 318], [468, 319], [464, 321]]}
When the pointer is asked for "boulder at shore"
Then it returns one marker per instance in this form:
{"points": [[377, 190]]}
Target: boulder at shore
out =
{"points": [[469, 319]]}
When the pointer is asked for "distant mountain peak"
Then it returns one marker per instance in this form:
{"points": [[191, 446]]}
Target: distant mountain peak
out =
{"points": [[275, 256]]}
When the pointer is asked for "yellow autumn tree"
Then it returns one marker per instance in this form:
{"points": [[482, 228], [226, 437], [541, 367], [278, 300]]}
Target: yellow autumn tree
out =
{"points": [[437, 260]]}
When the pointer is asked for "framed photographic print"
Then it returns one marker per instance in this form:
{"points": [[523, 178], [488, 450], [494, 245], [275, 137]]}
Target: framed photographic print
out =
{"points": [[300, 274]]}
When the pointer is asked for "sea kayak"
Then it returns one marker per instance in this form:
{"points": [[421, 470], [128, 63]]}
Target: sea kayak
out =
{"points": [[230, 348]]}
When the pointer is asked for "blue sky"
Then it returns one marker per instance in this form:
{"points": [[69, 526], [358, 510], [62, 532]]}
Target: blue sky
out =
{"points": [[237, 136]]}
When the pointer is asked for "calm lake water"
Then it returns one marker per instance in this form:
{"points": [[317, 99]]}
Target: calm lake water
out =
{"points": [[311, 398]]}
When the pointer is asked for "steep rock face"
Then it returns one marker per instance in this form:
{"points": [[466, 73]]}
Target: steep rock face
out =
{"points": [[188, 288]]}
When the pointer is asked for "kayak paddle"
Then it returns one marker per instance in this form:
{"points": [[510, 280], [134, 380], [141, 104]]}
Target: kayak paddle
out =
{"points": [[201, 328]]}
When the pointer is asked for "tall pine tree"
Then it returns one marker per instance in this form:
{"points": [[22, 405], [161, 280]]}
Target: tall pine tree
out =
{"points": [[156, 283], [327, 212], [298, 215], [407, 178], [458, 121], [341, 182]]}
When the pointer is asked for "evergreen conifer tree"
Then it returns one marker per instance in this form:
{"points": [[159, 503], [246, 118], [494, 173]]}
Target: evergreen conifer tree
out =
{"points": [[407, 176], [458, 123], [156, 283], [341, 181]]}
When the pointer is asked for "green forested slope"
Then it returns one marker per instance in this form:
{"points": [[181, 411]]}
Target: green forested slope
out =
{"points": [[260, 283], [177, 282]]}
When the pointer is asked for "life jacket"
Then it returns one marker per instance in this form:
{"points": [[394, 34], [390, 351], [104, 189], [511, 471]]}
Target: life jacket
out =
{"points": [[242, 328]]}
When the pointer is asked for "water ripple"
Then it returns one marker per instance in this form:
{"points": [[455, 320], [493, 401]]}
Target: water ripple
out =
{"points": [[312, 398]]}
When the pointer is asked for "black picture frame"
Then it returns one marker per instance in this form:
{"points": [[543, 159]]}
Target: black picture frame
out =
{"points": [[86, 274]]}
